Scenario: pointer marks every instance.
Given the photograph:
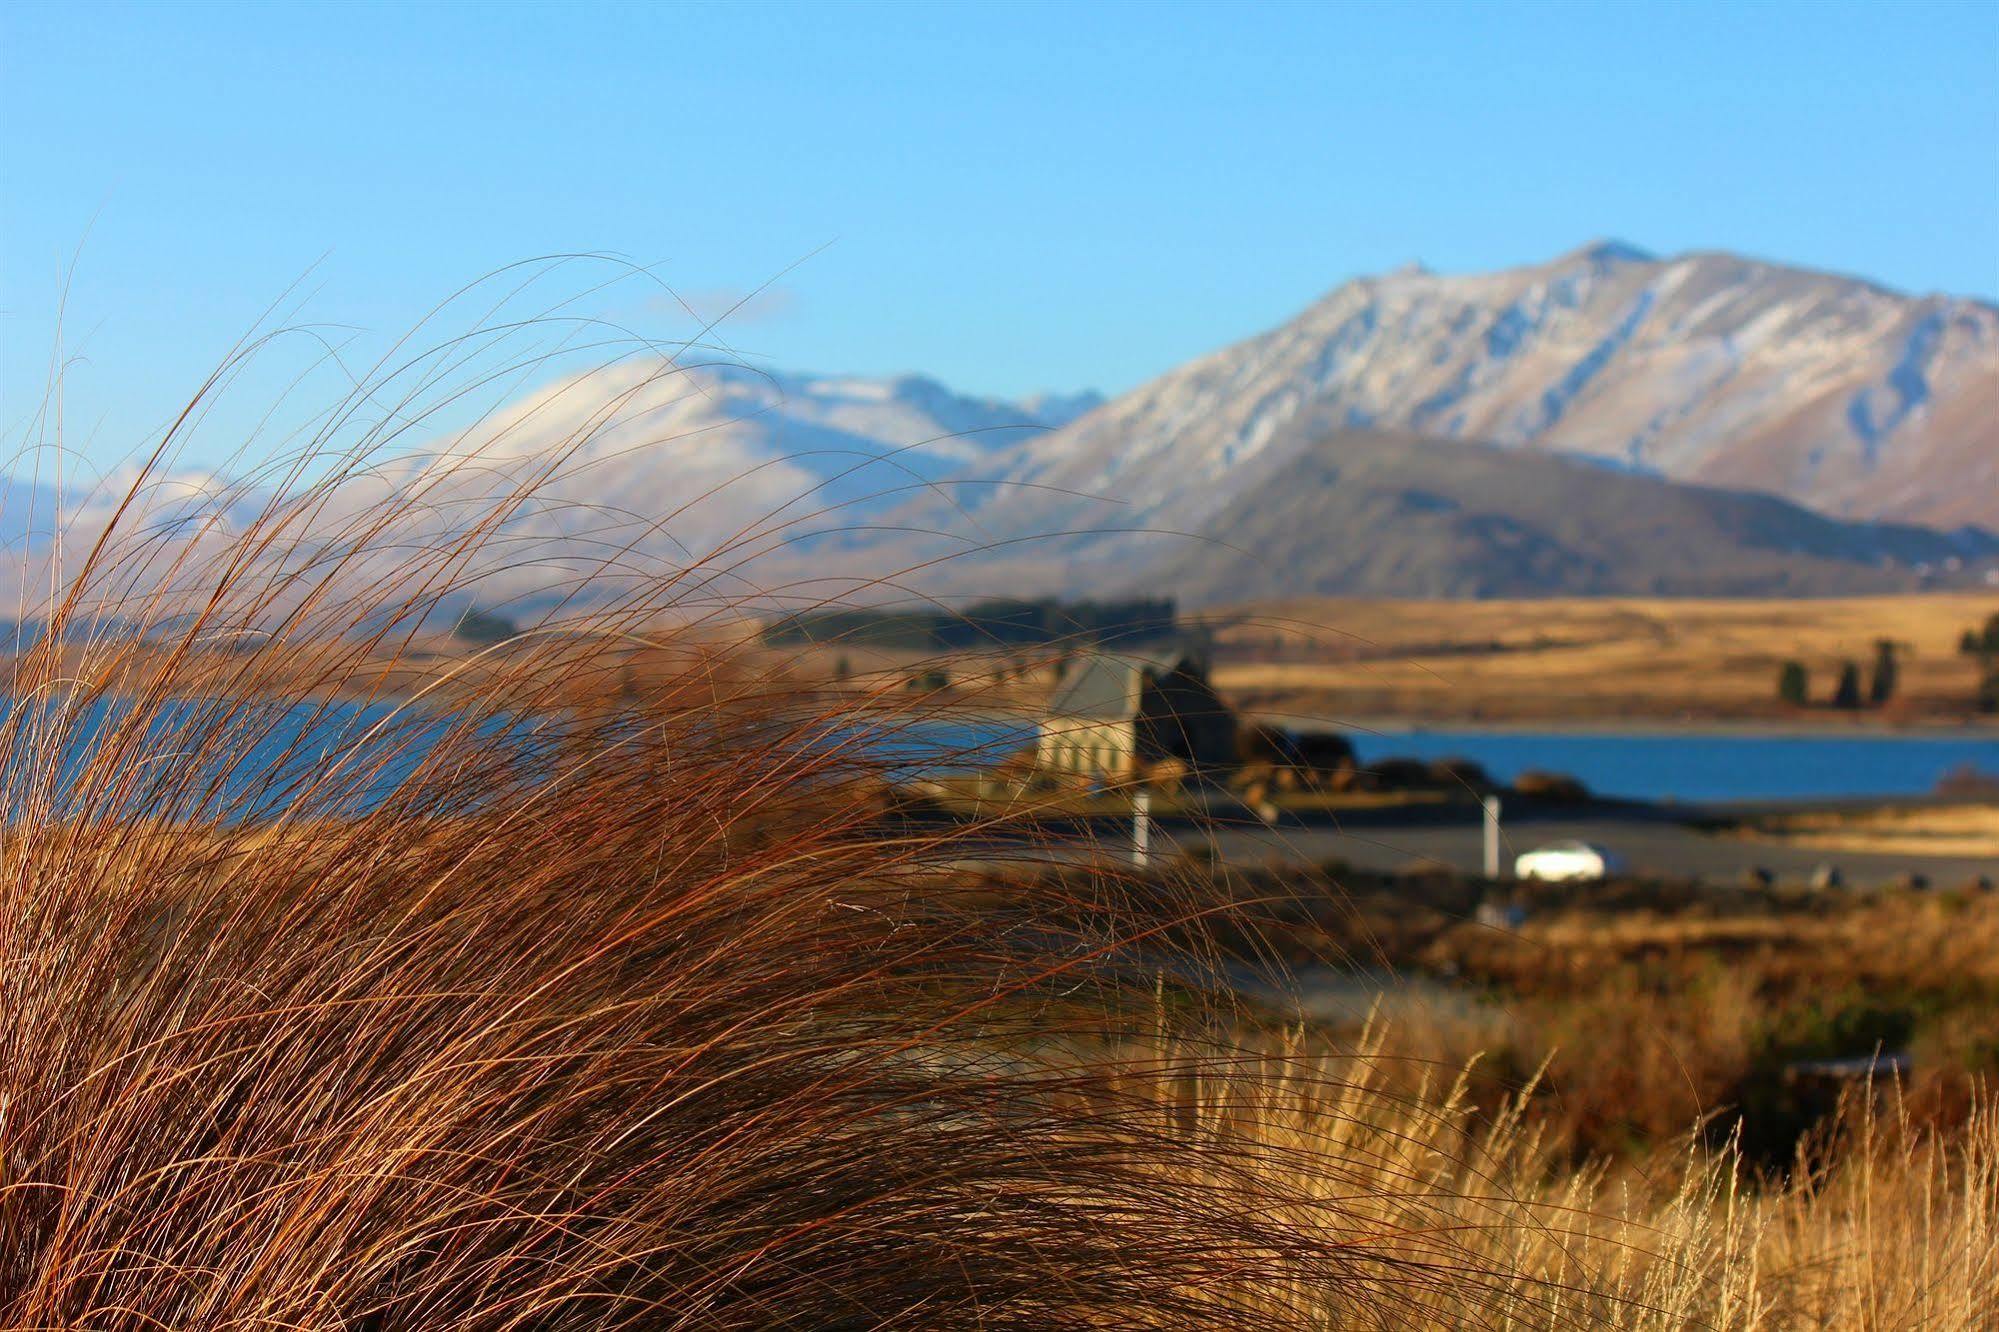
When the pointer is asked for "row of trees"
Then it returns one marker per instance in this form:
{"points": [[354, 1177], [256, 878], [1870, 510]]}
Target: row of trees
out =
{"points": [[997, 623], [1794, 681], [1982, 642], [1851, 691]]}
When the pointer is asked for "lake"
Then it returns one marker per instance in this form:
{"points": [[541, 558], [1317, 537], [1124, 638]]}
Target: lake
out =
{"points": [[276, 756], [195, 758], [1652, 764], [1702, 766], [208, 759]]}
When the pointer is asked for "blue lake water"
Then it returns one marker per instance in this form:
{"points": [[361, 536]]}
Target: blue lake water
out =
{"points": [[1639, 765], [1710, 766], [195, 758], [207, 759], [200, 759]]}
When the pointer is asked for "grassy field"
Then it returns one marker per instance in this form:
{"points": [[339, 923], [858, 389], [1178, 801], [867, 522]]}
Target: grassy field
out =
{"points": [[653, 1016], [663, 1018], [1879, 1225], [1574, 660], [1647, 1008], [1954, 830], [662, 1015], [1636, 1116], [1560, 661]]}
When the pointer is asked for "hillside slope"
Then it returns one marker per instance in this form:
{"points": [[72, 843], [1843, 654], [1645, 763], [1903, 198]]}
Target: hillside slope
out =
{"points": [[1712, 368], [1368, 514], [1604, 422]]}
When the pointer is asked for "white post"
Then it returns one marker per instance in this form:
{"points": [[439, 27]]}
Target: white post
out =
{"points": [[1491, 804], [1141, 826]]}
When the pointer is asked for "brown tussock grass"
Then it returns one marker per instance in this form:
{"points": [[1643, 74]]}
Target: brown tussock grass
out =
{"points": [[547, 993], [498, 1011], [1881, 1224]]}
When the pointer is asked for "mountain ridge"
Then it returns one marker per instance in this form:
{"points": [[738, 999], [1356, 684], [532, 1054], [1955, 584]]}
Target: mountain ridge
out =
{"points": [[1833, 392], [1451, 519], [1759, 403]]}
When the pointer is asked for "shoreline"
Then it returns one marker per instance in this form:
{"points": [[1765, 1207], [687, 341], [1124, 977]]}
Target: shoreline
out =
{"points": [[1648, 727]]}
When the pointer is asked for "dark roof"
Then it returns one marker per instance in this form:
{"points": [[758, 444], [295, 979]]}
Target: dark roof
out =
{"points": [[1109, 685]]}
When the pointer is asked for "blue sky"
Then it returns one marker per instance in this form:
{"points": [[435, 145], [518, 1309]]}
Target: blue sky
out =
{"points": [[1012, 197]]}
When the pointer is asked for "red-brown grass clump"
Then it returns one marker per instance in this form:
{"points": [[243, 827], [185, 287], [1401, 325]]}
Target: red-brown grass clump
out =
{"points": [[588, 981], [323, 1007]]}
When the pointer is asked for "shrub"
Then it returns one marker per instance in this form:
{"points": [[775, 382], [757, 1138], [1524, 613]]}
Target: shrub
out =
{"points": [[1460, 774], [484, 628], [1402, 774], [573, 998], [1266, 746], [1881, 685], [1846, 694], [1324, 751], [1794, 684], [1557, 788]]}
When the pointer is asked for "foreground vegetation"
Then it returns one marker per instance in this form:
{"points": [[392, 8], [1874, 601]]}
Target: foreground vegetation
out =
{"points": [[604, 999], [1453, 1217]]}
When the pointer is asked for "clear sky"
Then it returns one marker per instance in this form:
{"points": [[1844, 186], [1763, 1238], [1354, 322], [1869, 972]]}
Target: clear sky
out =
{"points": [[1012, 197]]}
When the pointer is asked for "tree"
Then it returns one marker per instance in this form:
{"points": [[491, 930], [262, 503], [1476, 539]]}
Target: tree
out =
{"points": [[1794, 684], [1846, 694], [1971, 643], [1988, 692], [483, 628], [1882, 687], [843, 669]]}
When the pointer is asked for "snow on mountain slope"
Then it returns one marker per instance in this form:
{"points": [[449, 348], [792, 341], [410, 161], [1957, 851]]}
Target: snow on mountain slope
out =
{"points": [[1832, 392], [648, 463], [1860, 404], [680, 461], [1371, 514]]}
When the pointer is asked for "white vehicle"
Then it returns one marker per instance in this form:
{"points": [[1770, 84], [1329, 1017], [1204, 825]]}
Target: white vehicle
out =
{"points": [[1566, 862]]}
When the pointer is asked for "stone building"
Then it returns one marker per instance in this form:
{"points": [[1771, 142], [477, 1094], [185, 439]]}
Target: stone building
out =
{"points": [[1125, 711]]}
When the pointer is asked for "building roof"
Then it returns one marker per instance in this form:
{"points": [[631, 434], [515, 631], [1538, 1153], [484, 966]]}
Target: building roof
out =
{"points": [[1109, 685]]}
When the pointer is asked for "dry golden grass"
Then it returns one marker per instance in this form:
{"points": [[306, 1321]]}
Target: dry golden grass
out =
{"points": [[1582, 659], [1561, 660], [1951, 830], [550, 993], [1879, 1224], [572, 993]]}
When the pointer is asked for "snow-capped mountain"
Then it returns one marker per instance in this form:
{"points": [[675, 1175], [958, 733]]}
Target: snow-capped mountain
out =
{"points": [[652, 434], [1585, 425], [678, 461], [646, 466], [35, 510], [1829, 391]]}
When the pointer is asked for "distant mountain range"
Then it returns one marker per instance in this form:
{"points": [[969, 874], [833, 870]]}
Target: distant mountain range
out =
{"points": [[650, 463], [1363, 513], [1828, 391], [713, 448], [1605, 422]]}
